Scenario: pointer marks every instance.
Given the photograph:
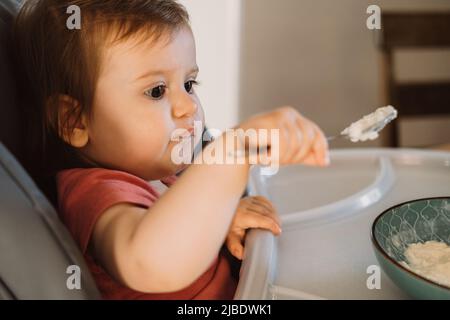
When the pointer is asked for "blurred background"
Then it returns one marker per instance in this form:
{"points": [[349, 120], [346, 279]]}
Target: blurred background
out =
{"points": [[319, 56]]}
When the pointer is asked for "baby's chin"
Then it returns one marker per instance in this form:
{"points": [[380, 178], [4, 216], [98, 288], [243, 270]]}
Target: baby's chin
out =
{"points": [[177, 168], [165, 167], [172, 169], [181, 168]]}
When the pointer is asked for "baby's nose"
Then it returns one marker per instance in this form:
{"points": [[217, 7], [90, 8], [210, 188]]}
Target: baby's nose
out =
{"points": [[184, 106]]}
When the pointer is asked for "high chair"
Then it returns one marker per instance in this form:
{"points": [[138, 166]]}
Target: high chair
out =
{"points": [[36, 249]]}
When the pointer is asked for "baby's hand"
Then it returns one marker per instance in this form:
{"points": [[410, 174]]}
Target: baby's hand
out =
{"points": [[252, 212], [301, 140]]}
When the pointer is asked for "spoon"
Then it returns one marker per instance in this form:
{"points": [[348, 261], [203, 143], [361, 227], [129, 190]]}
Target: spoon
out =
{"points": [[368, 127]]}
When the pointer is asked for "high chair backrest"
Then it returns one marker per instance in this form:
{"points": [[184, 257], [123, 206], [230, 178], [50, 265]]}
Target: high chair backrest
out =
{"points": [[9, 119], [38, 257]]}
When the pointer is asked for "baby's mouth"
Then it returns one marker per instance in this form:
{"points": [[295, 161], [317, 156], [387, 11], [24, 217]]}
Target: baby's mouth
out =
{"points": [[182, 146], [182, 137], [188, 138], [182, 134]]}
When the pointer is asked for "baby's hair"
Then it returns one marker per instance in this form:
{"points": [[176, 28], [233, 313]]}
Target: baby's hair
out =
{"points": [[53, 60]]}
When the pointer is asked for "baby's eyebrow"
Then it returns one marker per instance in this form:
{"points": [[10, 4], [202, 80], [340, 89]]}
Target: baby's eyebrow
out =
{"points": [[159, 72]]}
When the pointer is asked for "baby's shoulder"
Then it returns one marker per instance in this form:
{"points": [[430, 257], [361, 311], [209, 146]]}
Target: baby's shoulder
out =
{"points": [[90, 173], [95, 176], [92, 181]]}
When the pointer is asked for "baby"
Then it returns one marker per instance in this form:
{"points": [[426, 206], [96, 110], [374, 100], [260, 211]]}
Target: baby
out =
{"points": [[100, 108]]}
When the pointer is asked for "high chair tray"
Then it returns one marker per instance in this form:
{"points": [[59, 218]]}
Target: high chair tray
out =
{"points": [[325, 249]]}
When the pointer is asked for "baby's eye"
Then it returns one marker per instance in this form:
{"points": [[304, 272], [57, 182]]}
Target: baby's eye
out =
{"points": [[189, 86], [156, 92]]}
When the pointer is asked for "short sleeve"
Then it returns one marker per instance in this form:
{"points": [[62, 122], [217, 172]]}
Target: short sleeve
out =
{"points": [[84, 194]]}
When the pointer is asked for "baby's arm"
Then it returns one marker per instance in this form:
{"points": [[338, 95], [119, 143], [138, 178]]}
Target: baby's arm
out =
{"points": [[168, 246]]}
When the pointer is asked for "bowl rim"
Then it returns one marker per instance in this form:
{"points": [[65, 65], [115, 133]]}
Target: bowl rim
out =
{"points": [[386, 256]]}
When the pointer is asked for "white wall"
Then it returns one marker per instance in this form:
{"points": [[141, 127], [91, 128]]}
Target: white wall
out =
{"points": [[216, 26]]}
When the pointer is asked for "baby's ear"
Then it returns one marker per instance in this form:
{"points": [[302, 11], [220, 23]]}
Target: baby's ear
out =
{"points": [[72, 123]]}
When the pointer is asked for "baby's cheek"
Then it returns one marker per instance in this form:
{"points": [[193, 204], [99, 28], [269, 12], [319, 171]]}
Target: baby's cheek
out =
{"points": [[155, 139]]}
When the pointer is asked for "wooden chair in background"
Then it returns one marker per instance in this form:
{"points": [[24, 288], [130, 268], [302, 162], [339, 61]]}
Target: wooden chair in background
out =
{"points": [[414, 31]]}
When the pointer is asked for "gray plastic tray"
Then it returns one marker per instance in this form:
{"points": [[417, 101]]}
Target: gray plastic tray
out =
{"points": [[325, 250]]}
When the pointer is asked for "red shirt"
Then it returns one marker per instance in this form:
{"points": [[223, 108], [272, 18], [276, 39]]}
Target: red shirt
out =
{"points": [[84, 194]]}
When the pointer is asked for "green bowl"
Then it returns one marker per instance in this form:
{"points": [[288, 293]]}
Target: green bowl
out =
{"points": [[411, 222]]}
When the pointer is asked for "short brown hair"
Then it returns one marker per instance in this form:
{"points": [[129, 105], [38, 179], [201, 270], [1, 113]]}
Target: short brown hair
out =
{"points": [[54, 60]]}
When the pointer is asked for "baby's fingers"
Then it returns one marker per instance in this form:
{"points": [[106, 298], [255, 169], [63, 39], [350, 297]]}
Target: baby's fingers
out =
{"points": [[307, 138], [320, 147], [257, 220], [234, 245], [315, 145], [269, 209]]}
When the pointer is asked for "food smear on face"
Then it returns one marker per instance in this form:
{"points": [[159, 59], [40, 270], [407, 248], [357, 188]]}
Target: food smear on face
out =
{"points": [[430, 260], [370, 125]]}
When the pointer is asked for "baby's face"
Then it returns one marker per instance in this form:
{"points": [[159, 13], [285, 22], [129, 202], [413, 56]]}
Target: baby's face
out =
{"points": [[144, 93]]}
